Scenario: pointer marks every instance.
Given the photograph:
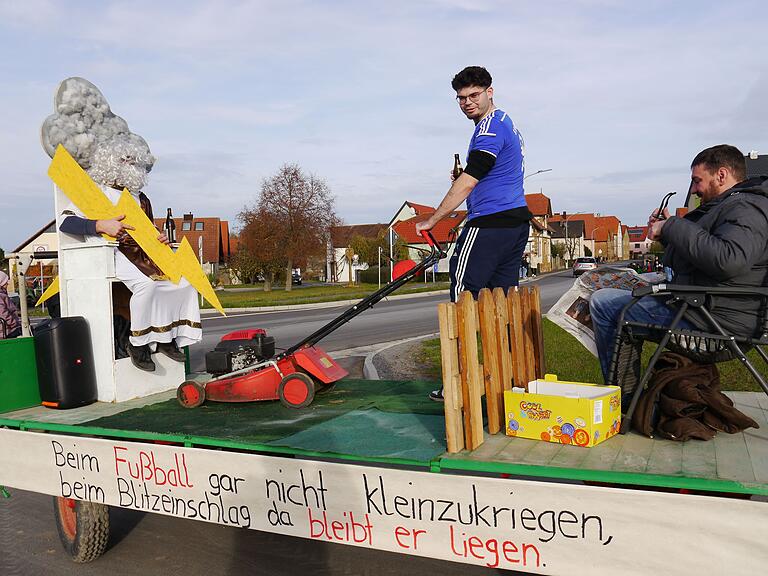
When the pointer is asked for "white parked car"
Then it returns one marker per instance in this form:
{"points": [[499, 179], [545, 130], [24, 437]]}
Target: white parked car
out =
{"points": [[584, 264]]}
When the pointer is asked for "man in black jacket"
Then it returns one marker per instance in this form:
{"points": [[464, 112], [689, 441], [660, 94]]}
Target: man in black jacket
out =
{"points": [[724, 242]]}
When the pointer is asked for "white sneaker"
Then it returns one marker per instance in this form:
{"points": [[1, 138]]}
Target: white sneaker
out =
{"points": [[437, 395]]}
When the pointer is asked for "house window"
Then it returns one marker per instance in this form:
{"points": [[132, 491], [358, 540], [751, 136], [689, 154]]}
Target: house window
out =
{"points": [[186, 225], [198, 226], [637, 245]]}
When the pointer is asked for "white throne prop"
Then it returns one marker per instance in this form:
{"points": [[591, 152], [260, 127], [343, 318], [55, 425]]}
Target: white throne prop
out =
{"points": [[86, 276]]}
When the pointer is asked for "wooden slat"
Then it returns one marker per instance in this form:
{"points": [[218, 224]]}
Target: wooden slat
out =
{"points": [[603, 456], [525, 307], [449, 353], [543, 453], [502, 334], [570, 457], [732, 458], [516, 450], [666, 458], [634, 454], [516, 339], [699, 459], [537, 331], [494, 402], [757, 442], [471, 379]]}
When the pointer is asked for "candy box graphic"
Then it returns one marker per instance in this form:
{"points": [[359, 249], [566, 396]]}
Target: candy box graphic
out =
{"points": [[563, 412]]}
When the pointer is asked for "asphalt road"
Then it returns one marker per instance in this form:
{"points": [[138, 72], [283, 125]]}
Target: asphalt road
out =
{"points": [[389, 320], [148, 544]]}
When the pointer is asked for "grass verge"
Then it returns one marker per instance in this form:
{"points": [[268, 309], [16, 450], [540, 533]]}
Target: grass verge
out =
{"points": [[566, 357], [311, 294]]}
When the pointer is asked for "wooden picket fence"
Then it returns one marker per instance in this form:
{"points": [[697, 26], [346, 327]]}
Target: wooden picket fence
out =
{"points": [[512, 343]]}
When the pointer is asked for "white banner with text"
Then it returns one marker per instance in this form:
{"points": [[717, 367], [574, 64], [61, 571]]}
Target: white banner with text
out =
{"points": [[537, 527]]}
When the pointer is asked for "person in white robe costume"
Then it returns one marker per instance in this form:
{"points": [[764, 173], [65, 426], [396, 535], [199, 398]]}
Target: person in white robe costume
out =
{"points": [[164, 317]]}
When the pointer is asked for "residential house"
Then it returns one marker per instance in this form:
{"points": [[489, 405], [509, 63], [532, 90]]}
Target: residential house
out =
{"points": [[568, 233], [539, 237], [44, 270], [338, 267], [214, 233], [639, 243], [602, 235], [445, 232]]}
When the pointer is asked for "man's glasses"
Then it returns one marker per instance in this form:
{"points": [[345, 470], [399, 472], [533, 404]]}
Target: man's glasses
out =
{"points": [[475, 96]]}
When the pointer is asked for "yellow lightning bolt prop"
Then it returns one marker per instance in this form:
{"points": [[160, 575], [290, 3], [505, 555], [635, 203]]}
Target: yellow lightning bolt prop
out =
{"points": [[94, 204], [52, 289]]}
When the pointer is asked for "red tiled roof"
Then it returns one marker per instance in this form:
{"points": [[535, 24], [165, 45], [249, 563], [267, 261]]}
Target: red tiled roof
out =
{"points": [[638, 233], [215, 245], [407, 228], [595, 227], [420, 208], [539, 204], [341, 235]]}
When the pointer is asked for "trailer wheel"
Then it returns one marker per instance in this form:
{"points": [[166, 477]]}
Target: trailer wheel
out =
{"points": [[190, 394], [296, 390], [83, 527]]}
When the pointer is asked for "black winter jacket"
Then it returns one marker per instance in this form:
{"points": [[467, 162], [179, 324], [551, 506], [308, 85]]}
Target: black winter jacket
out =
{"points": [[724, 243]]}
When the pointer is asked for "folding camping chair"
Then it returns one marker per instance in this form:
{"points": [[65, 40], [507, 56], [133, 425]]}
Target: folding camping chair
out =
{"points": [[702, 346]]}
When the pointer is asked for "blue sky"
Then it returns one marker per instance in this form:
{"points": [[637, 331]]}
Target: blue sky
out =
{"points": [[615, 97]]}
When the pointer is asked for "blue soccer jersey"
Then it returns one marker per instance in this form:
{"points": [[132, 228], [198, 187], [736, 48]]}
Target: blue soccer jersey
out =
{"points": [[502, 188]]}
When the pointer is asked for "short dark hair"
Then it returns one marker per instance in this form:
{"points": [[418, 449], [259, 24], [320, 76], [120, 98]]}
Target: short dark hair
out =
{"points": [[472, 76], [723, 155]]}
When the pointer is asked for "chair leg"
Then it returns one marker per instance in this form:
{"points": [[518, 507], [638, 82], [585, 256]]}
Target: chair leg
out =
{"points": [[626, 422], [731, 343], [744, 360]]}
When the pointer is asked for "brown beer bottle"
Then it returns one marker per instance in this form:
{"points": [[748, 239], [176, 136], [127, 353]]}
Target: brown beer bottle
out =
{"points": [[170, 227], [457, 169]]}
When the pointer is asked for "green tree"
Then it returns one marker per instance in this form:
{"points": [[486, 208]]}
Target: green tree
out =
{"points": [[3, 261], [260, 248]]}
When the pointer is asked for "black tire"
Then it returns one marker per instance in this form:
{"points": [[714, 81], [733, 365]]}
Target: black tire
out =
{"points": [[190, 394], [83, 527], [296, 390]]}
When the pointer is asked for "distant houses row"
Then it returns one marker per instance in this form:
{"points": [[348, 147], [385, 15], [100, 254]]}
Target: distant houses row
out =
{"points": [[555, 240]]}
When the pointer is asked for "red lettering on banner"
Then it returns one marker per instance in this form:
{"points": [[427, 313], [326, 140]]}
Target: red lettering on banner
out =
{"points": [[488, 550], [402, 531], [347, 530], [143, 466]]}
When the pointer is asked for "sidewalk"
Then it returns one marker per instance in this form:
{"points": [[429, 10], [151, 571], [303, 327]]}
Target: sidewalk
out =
{"points": [[208, 312]]}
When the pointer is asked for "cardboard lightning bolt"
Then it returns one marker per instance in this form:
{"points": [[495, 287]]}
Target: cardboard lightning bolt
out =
{"points": [[94, 204]]}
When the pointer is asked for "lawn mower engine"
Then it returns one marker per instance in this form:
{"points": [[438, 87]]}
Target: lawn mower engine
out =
{"points": [[238, 350]]}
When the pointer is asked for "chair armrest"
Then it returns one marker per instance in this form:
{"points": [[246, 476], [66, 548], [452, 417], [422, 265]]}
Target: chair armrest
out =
{"points": [[640, 291]]}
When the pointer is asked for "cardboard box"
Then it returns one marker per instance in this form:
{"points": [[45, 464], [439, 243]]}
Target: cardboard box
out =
{"points": [[563, 412]]}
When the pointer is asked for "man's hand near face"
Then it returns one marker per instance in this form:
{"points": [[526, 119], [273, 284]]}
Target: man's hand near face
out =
{"points": [[655, 224]]}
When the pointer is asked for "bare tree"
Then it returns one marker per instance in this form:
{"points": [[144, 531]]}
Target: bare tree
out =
{"points": [[301, 209]]}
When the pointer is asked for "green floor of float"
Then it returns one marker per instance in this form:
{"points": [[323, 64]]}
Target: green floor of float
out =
{"points": [[371, 418]]}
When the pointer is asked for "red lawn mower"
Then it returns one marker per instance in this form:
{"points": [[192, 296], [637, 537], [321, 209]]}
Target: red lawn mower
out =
{"points": [[245, 367]]}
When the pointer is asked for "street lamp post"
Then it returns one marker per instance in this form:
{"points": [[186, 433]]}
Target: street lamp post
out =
{"points": [[538, 172], [594, 242]]}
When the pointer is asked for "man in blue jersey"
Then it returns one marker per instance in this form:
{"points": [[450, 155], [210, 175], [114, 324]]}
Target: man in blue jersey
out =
{"points": [[490, 247]]}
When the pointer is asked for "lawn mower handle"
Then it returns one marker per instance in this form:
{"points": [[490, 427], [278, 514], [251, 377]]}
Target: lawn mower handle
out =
{"points": [[436, 253]]}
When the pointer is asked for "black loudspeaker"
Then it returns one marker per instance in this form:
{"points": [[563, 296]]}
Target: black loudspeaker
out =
{"points": [[65, 370]]}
